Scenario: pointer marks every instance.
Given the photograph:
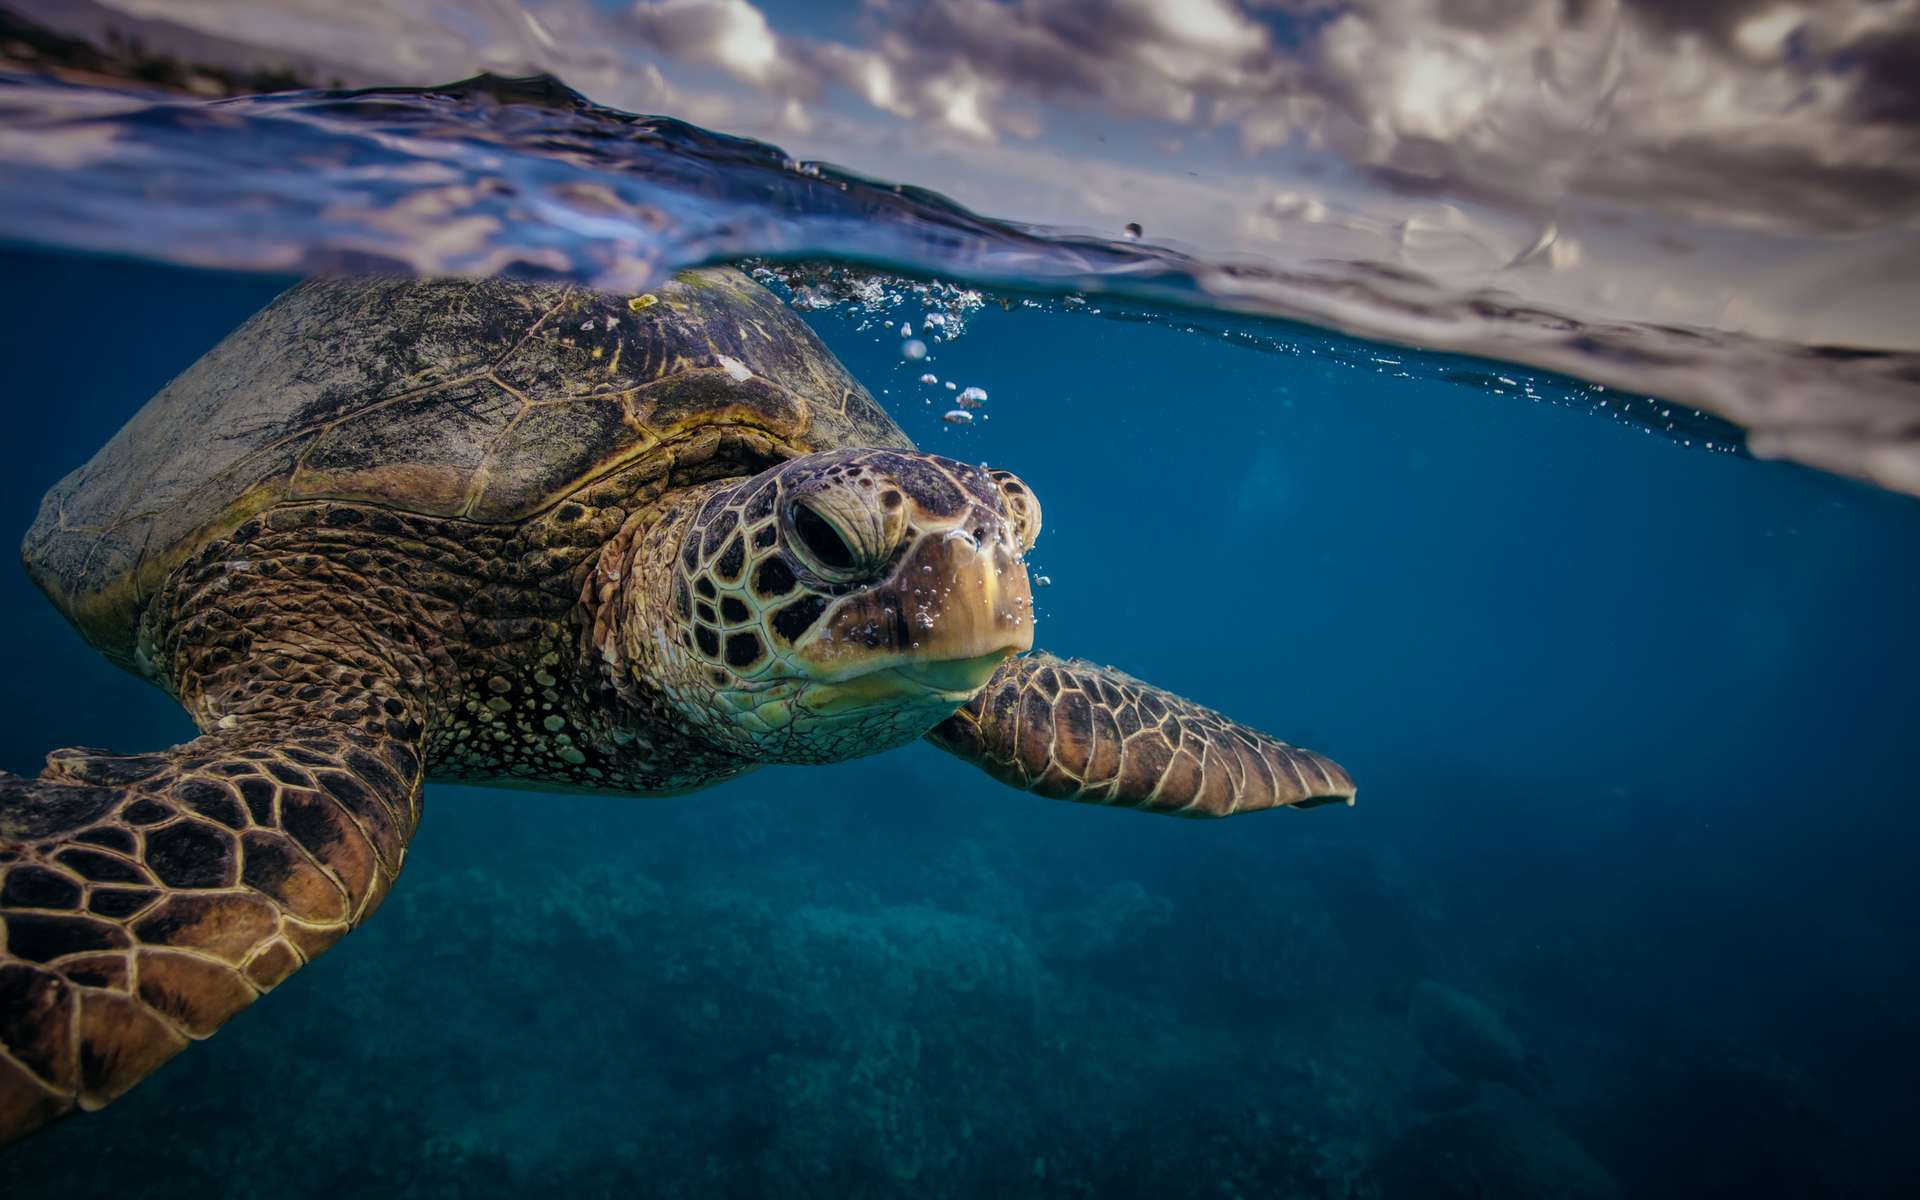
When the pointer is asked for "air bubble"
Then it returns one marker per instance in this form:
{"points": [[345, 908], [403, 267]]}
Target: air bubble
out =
{"points": [[929, 378], [973, 397], [957, 416], [1043, 581], [914, 349]]}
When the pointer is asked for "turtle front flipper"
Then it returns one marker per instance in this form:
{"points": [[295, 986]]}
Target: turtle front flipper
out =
{"points": [[1073, 730], [145, 899]]}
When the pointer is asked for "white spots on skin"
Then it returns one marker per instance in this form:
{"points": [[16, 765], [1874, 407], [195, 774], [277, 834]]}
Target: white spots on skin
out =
{"points": [[735, 369]]}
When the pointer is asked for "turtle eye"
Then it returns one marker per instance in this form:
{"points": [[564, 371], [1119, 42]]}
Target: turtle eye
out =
{"points": [[821, 544], [821, 540], [839, 542]]}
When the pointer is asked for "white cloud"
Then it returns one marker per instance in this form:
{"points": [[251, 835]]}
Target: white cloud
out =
{"points": [[730, 34]]}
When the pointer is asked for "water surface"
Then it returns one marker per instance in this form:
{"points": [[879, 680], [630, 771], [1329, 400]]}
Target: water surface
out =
{"points": [[526, 177]]}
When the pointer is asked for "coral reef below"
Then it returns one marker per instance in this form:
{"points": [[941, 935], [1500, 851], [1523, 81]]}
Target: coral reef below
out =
{"points": [[824, 995]]}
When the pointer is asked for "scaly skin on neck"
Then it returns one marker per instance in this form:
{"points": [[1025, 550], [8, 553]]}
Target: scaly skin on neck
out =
{"points": [[633, 684], [491, 659]]}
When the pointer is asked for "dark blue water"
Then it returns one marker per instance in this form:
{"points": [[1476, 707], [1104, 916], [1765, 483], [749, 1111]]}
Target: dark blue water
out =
{"points": [[1633, 726]]}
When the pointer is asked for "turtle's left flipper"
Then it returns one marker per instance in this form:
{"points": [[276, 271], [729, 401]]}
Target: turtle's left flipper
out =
{"points": [[1071, 729], [146, 898]]}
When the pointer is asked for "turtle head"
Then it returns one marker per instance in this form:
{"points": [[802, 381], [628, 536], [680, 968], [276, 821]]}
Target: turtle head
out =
{"points": [[843, 603]]}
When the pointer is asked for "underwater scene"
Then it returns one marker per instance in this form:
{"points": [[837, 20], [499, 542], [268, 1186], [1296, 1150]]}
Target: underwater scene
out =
{"points": [[493, 426]]}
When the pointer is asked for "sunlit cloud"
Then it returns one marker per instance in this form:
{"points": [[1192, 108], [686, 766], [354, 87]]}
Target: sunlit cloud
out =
{"points": [[730, 34]]}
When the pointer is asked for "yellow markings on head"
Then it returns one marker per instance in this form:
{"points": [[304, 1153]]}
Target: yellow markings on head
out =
{"points": [[642, 303]]}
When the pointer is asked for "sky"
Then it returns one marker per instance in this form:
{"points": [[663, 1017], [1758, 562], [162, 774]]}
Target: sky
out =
{"points": [[1748, 165]]}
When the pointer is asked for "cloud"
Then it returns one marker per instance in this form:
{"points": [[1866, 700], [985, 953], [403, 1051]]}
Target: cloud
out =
{"points": [[1139, 58], [977, 67], [1764, 113], [1747, 113], [730, 34]]}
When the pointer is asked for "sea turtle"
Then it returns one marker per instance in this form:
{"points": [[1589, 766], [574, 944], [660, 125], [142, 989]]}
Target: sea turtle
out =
{"points": [[508, 533]]}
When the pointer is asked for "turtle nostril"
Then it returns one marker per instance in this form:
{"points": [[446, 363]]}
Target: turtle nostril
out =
{"points": [[821, 539]]}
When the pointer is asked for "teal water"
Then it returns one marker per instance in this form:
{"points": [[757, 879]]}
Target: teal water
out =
{"points": [[1632, 723]]}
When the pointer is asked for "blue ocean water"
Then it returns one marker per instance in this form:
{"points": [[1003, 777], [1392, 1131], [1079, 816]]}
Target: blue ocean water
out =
{"points": [[1624, 908]]}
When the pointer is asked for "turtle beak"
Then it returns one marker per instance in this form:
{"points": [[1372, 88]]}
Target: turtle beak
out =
{"points": [[958, 676], [946, 684]]}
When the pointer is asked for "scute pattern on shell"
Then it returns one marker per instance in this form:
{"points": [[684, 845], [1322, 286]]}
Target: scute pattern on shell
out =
{"points": [[487, 400]]}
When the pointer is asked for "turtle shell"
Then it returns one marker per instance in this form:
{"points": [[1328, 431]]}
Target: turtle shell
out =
{"points": [[487, 400]]}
